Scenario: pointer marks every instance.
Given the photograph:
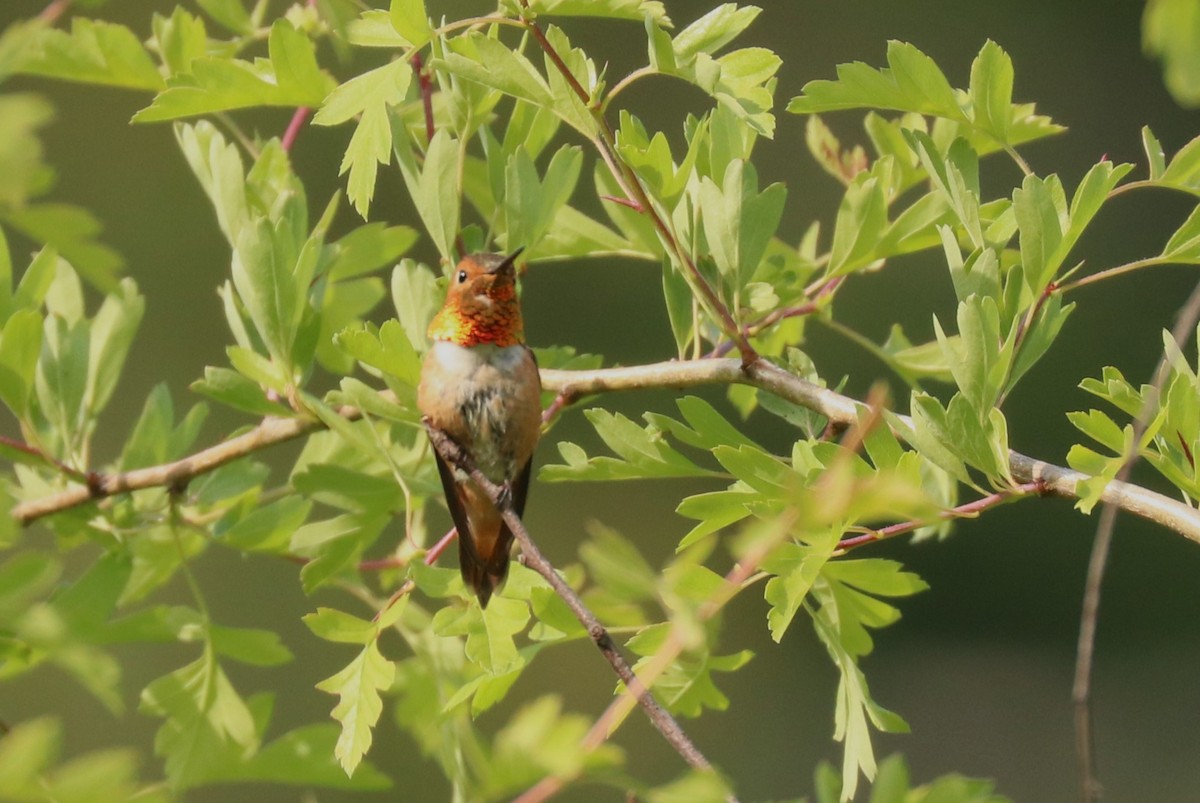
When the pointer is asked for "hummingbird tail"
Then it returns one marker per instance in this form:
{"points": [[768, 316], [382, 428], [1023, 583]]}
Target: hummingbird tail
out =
{"points": [[482, 574]]}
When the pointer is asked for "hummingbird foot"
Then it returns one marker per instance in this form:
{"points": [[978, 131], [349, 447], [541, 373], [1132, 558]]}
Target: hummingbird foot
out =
{"points": [[504, 500]]}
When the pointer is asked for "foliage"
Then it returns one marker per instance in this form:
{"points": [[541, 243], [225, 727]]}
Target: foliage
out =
{"points": [[498, 127]]}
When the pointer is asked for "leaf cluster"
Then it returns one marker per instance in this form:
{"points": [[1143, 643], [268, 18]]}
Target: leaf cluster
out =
{"points": [[498, 127]]}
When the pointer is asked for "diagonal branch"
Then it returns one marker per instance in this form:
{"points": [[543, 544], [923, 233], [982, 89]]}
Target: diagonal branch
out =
{"points": [[1081, 692], [534, 559], [841, 410]]}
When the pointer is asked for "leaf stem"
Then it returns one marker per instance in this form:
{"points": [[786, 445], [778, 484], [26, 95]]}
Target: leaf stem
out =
{"points": [[626, 82], [426, 86], [299, 118], [54, 10], [968, 510], [1111, 273]]}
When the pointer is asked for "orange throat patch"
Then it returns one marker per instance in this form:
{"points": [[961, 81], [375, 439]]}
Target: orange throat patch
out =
{"points": [[498, 323]]}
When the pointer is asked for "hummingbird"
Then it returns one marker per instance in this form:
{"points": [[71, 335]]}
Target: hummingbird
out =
{"points": [[480, 385]]}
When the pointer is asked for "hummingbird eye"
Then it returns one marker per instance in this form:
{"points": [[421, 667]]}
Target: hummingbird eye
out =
{"points": [[462, 276]]}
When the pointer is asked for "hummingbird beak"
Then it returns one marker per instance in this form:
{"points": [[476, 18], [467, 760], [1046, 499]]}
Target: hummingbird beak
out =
{"points": [[508, 265]]}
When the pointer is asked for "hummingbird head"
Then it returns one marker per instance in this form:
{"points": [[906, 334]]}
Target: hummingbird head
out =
{"points": [[481, 303]]}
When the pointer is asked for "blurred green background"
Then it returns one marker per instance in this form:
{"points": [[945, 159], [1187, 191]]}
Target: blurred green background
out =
{"points": [[981, 665]]}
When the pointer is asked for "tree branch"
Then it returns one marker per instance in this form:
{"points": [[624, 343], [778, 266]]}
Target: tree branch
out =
{"points": [[534, 559], [843, 411], [840, 410], [177, 474]]}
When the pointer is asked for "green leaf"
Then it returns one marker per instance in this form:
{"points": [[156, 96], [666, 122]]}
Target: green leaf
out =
{"points": [[249, 646], [433, 186], [388, 350], [268, 528], [26, 175], [567, 104], [976, 358], [991, 90], [25, 753], [642, 453], [910, 83], [235, 390], [336, 544], [1184, 245], [289, 78], [955, 176], [861, 218], [112, 332], [846, 610], [1155, 158], [796, 567], [410, 20], [1169, 30], [713, 31], [490, 644], [230, 13], [340, 627], [20, 347], [738, 220], [706, 428], [532, 205], [416, 297], [541, 741], [1041, 210], [489, 62], [305, 757], [357, 687], [71, 231], [62, 376], [1089, 196], [913, 83], [94, 52], [207, 726], [611, 9], [369, 97], [179, 39], [24, 577], [617, 566], [369, 248]]}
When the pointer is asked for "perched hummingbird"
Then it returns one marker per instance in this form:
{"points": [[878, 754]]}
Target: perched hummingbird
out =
{"points": [[480, 385]]}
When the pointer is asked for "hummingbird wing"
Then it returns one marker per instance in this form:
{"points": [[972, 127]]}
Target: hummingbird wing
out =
{"points": [[483, 573], [496, 567]]}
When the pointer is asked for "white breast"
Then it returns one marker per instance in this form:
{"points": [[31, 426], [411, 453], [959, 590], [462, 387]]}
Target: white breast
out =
{"points": [[483, 387]]}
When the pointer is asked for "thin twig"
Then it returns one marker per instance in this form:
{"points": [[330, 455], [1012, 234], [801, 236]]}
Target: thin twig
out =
{"points": [[426, 86], [51, 13], [965, 511], [1081, 692], [176, 474], [1112, 273], [840, 410], [534, 559], [299, 118]]}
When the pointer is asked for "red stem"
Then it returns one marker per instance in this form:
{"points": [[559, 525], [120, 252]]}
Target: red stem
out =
{"points": [[962, 511], [51, 13], [426, 85], [293, 129]]}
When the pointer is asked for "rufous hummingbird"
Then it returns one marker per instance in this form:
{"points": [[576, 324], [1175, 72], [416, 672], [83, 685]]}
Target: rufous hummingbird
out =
{"points": [[480, 385]]}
